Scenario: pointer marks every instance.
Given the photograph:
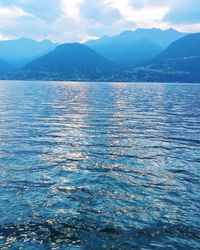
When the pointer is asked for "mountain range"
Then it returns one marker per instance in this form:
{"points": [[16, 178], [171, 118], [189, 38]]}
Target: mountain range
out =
{"points": [[71, 61], [179, 62], [21, 51], [141, 55], [132, 48], [4, 67]]}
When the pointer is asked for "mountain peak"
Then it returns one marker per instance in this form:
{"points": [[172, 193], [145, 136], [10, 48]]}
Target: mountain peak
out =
{"points": [[46, 41], [131, 48], [65, 45], [21, 50], [187, 46], [71, 61]]}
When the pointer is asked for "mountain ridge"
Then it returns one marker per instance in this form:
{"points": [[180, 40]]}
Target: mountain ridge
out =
{"points": [[20, 51], [71, 61], [179, 62], [128, 48]]}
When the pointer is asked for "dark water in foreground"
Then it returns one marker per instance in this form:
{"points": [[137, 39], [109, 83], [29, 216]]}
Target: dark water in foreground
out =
{"points": [[99, 166]]}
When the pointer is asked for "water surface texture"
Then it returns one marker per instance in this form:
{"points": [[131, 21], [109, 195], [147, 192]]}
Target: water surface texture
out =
{"points": [[99, 166]]}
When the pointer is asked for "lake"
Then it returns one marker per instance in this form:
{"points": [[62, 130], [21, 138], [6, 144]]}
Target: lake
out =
{"points": [[99, 166]]}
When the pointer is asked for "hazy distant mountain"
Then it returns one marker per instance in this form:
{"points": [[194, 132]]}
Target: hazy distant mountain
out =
{"points": [[128, 53], [19, 52], [179, 62], [4, 67], [162, 38], [71, 61], [188, 46], [132, 48]]}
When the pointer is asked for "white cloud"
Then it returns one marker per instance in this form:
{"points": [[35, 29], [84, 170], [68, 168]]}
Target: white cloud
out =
{"points": [[72, 9], [184, 12], [77, 20]]}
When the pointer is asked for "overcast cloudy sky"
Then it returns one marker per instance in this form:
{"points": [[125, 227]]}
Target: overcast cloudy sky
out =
{"points": [[79, 20]]}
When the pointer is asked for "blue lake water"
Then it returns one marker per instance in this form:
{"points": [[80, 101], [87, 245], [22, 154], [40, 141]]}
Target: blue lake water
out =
{"points": [[99, 166]]}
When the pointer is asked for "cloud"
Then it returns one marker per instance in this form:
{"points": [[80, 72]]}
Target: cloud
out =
{"points": [[78, 20], [184, 12], [102, 17], [47, 10], [140, 4], [19, 20], [99, 11]]}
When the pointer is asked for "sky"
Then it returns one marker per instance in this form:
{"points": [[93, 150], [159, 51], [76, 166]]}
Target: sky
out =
{"points": [[81, 20]]}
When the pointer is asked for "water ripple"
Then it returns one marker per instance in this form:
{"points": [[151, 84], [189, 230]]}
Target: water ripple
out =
{"points": [[99, 166]]}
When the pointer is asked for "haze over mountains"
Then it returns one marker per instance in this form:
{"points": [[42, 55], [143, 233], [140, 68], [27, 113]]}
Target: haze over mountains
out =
{"points": [[131, 48], [73, 61], [141, 55], [4, 67], [188, 46], [21, 51], [179, 62]]}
